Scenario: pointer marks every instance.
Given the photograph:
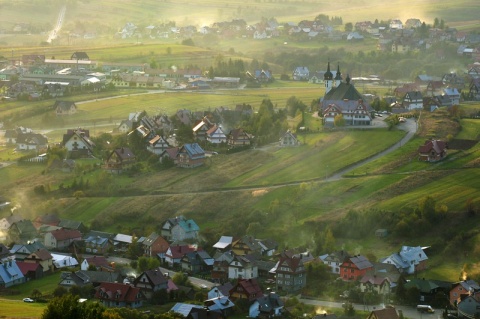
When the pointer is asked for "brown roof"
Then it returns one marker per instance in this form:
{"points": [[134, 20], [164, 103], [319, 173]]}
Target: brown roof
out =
{"points": [[437, 145], [62, 234], [42, 254], [98, 261], [110, 291], [387, 313]]}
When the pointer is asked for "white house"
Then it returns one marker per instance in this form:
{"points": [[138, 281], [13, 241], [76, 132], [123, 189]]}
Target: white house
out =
{"points": [[215, 135], [242, 267]]}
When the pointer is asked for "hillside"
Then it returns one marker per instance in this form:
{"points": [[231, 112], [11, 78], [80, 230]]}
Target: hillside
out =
{"points": [[283, 192]]}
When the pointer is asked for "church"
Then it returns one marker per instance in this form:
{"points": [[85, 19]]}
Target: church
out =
{"points": [[342, 98]]}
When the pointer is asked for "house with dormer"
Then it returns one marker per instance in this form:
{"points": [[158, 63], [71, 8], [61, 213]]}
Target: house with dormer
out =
{"points": [[10, 274], [408, 260], [301, 73], [290, 272], [31, 142], [150, 281], [221, 263], [354, 268], [119, 295]]}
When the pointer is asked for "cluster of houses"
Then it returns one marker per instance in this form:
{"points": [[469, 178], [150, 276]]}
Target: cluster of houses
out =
{"points": [[241, 267]]}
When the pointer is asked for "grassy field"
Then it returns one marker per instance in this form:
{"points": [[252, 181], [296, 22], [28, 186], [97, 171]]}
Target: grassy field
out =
{"points": [[14, 309]]}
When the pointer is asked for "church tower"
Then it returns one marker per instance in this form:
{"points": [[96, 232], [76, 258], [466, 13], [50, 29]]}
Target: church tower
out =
{"points": [[328, 79], [338, 76]]}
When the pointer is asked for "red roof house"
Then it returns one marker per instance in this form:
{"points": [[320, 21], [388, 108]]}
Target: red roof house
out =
{"points": [[61, 238], [246, 289], [113, 294], [354, 268], [432, 151]]}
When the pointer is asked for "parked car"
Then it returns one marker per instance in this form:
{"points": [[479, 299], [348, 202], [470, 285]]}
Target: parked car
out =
{"points": [[28, 300]]}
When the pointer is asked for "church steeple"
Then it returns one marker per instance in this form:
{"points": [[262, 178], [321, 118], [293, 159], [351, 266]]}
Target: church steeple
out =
{"points": [[328, 79], [338, 76]]}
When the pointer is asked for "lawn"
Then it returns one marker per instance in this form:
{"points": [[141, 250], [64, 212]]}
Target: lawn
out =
{"points": [[324, 154], [21, 310]]}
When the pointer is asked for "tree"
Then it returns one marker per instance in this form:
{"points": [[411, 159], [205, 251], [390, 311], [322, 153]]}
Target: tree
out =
{"points": [[339, 121], [64, 307], [181, 279], [254, 228], [348, 27], [36, 294]]}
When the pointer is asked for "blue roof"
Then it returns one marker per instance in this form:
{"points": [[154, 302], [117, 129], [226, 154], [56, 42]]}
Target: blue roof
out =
{"points": [[194, 150], [188, 225], [184, 308], [9, 272]]}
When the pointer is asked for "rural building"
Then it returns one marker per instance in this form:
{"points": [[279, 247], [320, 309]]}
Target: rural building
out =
{"points": [[432, 151]]}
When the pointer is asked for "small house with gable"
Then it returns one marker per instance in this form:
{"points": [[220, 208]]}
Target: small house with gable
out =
{"points": [[190, 156], [62, 238], [247, 289], [238, 138], [157, 145], [432, 151], [244, 267], [267, 306], [334, 260], [215, 135], [150, 281], [119, 160], [65, 108], [413, 100], [78, 143], [463, 289], [155, 245], [386, 313], [289, 139], [80, 55]]}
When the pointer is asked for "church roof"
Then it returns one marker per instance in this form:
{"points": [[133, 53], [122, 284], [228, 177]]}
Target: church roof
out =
{"points": [[328, 75], [344, 91]]}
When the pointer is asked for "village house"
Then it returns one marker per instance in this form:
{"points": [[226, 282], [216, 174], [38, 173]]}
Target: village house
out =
{"points": [[408, 260], [215, 135], [31, 271], [119, 295], [155, 245], [267, 306], [196, 262], [31, 142], [461, 290], [82, 278], [157, 145], [301, 73], [190, 156], [41, 257], [432, 151], [150, 281], [222, 260], [61, 239], [120, 160], [10, 274], [335, 260], [354, 268], [179, 229], [413, 100], [247, 289], [175, 253], [243, 267], [386, 313], [98, 242], [291, 275], [100, 263], [22, 232], [289, 139], [64, 108], [78, 143], [469, 307], [238, 138]]}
